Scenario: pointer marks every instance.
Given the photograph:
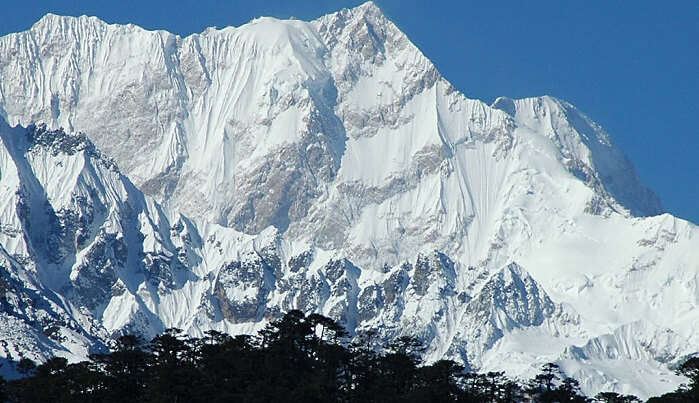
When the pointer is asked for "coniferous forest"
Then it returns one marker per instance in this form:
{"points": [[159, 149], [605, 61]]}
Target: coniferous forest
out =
{"points": [[297, 358]]}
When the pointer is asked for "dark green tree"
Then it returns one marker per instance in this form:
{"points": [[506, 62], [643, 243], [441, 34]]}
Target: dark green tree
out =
{"points": [[124, 371], [613, 397], [173, 361], [25, 366], [690, 369]]}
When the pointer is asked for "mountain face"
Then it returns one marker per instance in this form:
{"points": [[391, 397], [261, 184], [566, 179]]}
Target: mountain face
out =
{"points": [[227, 177]]}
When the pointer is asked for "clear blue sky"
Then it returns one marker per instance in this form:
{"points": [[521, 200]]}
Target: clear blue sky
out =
{"points": [[632, 66]]}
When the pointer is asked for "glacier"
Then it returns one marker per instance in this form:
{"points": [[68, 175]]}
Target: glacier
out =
{"points": [[219, 180]]}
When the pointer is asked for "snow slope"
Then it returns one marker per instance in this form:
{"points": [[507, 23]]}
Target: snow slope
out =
{"points": [[325, 166]]}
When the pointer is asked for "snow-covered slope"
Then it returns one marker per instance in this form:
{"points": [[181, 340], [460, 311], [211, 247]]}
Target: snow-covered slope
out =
{"points": [[325, 166]]}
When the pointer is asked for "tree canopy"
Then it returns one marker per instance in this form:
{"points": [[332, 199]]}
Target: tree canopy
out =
{"points": [[297, 358]]}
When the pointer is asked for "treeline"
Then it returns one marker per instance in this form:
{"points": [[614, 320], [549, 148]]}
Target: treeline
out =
{"points": [[295, 359]]}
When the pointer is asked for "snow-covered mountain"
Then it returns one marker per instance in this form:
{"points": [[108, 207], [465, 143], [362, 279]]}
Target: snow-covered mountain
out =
{"points": [[325, 166]]}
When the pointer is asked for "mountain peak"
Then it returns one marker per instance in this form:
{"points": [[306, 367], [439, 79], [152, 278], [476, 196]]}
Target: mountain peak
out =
{"points": [[587, 151], [50, 18], [55, 20], [370, 7], [367, 14]]}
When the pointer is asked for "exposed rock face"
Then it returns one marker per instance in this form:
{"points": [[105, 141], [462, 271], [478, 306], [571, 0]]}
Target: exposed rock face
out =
{"points": [[241, 291], [436, 269], [94, 278], [510, 299], [324, 166]]}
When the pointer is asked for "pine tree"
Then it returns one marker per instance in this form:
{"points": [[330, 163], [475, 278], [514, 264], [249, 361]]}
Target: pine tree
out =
{"points": [[124, 371], [613, 397]]}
